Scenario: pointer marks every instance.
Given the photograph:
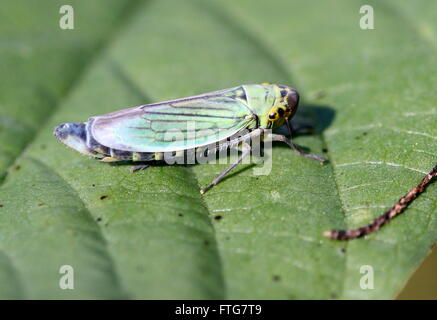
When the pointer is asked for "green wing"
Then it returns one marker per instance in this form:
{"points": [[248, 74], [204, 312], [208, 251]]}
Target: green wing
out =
{"points": [[175, 125]]}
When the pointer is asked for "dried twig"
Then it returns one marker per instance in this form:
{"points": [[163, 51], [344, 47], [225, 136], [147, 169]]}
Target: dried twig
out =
{"points": [[387, 216]]}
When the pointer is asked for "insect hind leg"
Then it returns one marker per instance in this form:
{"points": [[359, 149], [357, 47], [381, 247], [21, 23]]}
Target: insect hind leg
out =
{"points": [[245, 148], [139, 167]]}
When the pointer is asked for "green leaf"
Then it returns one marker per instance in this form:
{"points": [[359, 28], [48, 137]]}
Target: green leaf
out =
{"points": [[151, 234]]}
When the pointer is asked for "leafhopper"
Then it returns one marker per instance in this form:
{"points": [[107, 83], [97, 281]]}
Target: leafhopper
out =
{"points": [[141, 134]]}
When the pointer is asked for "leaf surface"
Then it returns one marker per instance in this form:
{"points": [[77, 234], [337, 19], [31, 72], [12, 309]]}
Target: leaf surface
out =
{"points": [[371, 95]]}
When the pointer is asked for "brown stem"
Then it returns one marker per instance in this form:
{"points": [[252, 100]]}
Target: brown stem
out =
{"points": [[387, 216]]}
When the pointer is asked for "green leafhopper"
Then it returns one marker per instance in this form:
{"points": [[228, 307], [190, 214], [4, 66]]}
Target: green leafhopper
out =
{"points": [[209, 122]]}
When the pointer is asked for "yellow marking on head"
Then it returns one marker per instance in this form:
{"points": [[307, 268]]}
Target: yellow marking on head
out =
{"points": [[265, 84], [277, 115]]}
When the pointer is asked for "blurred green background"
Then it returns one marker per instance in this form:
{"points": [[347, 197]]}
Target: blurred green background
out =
{"points": [[369, 93]]}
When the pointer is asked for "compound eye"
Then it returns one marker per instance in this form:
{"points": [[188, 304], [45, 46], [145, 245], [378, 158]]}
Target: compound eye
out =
{"points": [[281, 112], [273, 116], [293, 99]]}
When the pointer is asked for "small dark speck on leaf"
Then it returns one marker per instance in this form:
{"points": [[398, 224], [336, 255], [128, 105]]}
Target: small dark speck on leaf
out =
{"points": [[17, 167], [218, 218], [42, 204], [99, 219], [180, 215], [360, 136], [325, 150], [320, 94], [1, 206], [276, 278], [206, 242], [103, 197], [343, 250], [93, 185], [71, 233]]}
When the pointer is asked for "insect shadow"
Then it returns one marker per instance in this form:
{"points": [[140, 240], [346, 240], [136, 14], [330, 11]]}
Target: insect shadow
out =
{"points": [[310, 119]]}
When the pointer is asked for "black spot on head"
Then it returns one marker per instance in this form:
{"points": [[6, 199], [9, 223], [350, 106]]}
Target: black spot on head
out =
{"points": [[103, 197], [360, 136], [218, 218], [283, 93], [281, 112], [272, 116]]}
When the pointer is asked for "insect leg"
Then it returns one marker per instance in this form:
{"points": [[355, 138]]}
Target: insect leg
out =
{"points": [[245, 148], [281, 138], [139, 167], [235, 142]]}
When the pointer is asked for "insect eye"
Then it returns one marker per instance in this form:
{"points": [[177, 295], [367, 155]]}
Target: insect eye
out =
{"points": [[281, 112], [273, 116]]}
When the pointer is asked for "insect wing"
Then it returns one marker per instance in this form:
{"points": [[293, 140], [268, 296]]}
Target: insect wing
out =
{"points": [[174, 125]]}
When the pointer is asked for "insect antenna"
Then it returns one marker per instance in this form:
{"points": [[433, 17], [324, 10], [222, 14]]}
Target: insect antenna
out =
{"points": [[387, 216], [288, 127]]}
